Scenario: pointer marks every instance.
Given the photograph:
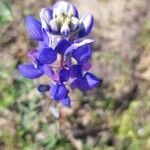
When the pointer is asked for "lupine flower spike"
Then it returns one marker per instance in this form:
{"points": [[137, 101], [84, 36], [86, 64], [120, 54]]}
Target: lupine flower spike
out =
{"points": [[62, 54]]}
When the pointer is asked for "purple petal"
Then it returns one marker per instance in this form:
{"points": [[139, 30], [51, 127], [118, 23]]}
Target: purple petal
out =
{"points": [[43, 88], [47, 56], [77, 45], [53, 26], [41, 45], [65, 30], [86, 24], [87, 82], [33, 28], [92, 80], [46, 16], [63, 75], [62, 45], [86, 66], [68, 61], [65, 7], [74, 24], [82, 54], [75, 71], [46, 37], [29, 71], [66, 102], [80, 83], [71, 10], [58, 91]]}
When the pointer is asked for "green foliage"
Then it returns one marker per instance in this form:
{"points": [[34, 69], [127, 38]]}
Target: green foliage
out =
{"points": [[11, 89], [33, 132], [7, 91], [131, 133], [5, 12], [144, 36]]}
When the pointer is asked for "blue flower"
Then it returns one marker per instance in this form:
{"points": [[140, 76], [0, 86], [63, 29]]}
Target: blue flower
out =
{"points": [[47, 56], [86, 82], [63, 75], [62, 46], [66, 101], [75, 71], [43, 88], [33, 28], [59, 92], [86, 24], [29, 71], [61, 54], [38, 59], [62, 18], [82, 54]]}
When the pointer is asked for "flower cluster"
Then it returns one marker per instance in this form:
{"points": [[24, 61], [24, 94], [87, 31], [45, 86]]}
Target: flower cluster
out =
{"points": [[62, 54]]}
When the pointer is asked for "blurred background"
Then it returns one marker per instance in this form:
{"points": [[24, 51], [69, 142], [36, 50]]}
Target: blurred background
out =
{"points": [[115, 116]]}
